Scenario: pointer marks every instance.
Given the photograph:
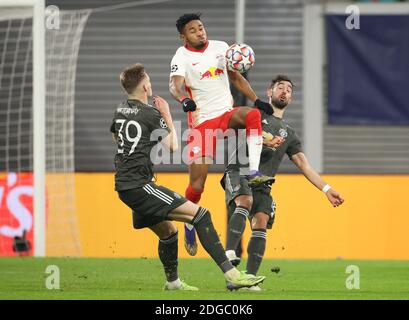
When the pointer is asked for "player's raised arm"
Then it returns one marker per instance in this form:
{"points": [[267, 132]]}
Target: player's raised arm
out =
{"points": [[244, 87], [171, 140], [301, 161]]}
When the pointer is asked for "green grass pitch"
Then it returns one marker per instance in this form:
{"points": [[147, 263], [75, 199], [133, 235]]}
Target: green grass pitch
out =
{"points": [[85, 278]]}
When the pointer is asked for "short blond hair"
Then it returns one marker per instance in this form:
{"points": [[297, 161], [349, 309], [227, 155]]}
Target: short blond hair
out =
{"points": [[132, 76]]}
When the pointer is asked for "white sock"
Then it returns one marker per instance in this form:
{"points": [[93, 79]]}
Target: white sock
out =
{"points": [[232, 274], [176, 284], [231, 254], [255, 145]]}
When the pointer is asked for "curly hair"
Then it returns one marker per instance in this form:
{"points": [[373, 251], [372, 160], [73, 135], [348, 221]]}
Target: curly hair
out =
{"points": [[185, 19]]}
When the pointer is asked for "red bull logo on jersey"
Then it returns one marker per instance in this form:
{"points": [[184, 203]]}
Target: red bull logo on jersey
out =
{"points": [[211, 73]]}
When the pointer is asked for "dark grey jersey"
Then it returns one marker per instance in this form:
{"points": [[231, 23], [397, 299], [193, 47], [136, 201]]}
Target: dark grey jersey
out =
{"points": [[270, 158], [137, 128]]}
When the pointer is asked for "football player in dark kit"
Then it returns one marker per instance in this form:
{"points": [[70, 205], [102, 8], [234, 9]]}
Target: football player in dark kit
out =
{"points": [[137, 127], [254, 201]]}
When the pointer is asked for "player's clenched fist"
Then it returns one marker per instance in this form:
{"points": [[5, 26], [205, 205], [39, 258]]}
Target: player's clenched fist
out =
{"points": [[188, 104], [334, 197], [272, 141]]}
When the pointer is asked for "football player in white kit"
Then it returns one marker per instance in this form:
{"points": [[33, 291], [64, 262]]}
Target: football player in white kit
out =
{"points": [[199, 80]]}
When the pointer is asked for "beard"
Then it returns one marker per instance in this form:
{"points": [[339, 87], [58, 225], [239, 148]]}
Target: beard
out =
{"points": [[278, 103], [201, 45]]}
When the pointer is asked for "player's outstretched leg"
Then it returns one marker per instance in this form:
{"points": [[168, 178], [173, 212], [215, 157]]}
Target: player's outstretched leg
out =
{"points": [[211, 243], [250, 119], [255, 250], [257, 244], [190, 232], [190, 239], [197, 177], [238, 212], [239, 249], [168, 255], [256, 247], [235, 229], [201, 219]]}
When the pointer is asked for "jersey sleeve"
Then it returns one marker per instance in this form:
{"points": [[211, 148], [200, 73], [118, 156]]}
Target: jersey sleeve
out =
{"points": [[157, 126], [112, 128], [177, 66], [294, 146]]}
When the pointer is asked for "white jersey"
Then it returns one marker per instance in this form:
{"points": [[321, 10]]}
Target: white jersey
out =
{"points": [[206, 80]]}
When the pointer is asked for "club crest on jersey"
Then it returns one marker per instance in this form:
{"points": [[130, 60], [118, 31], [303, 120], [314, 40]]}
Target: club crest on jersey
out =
{"points": [[283, 133], [163, 123]]}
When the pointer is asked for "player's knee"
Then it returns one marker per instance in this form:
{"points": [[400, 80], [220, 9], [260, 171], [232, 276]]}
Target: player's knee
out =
{"points": [[241, 115], [165, 230], [245, 112], [259, 221], [202, 216], [172, 229], [169, 232], [244, 201], [253, 114]]}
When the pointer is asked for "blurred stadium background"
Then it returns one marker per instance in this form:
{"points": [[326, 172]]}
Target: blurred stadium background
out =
{"points": [[366, 160]]}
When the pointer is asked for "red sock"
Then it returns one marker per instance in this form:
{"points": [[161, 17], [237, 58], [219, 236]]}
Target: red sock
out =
{"points": [[253, 123], [193, 195]]}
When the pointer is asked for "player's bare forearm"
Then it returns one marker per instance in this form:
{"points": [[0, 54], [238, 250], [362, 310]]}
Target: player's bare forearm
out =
{"points": [[313, 177], [241, 84], [176, 87], [302, 163]]}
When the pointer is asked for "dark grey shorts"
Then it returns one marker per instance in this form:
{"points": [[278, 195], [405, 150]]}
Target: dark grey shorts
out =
{"points": [[236, 185], [150, 204]]}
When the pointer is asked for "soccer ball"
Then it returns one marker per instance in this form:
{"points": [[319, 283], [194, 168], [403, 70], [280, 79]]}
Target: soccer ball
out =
{"points": [[240, 57]]}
